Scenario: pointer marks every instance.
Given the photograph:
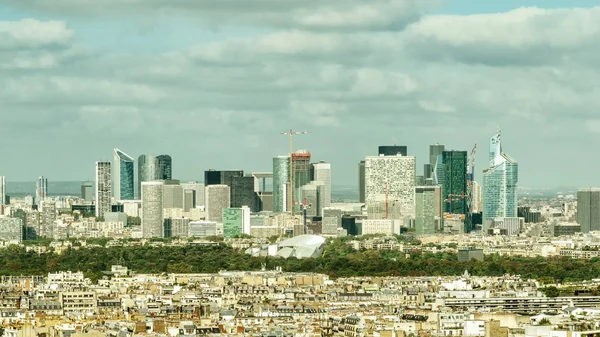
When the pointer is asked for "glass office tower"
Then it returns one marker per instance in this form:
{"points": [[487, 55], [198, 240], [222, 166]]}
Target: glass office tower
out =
{"points": [[123, 185]]}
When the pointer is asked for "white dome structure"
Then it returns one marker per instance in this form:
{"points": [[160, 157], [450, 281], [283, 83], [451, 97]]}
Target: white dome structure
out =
{"points": [[302, 246]]}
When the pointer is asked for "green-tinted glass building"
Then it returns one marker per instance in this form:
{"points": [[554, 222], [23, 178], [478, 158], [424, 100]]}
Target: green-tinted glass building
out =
{"points": [[425, 209], [281, 180], [454, 187]]}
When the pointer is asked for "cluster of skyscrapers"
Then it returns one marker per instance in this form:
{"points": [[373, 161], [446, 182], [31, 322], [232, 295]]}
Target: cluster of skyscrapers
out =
{"points": [[446, 197]]}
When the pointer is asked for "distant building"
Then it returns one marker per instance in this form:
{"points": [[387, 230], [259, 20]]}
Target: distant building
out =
{"points": [[176, 227], [321, 172], [217, 198], [3, 190], [244, 192], [500, 183], [435, 151], [281, 181], [103, 188], [11, 229], [361, 181], [454, 188], [198, 189], [391, 180], [426, 198], [147, 170], [465, 255], [378, 226], [301, 170], [202, 229], [87, 191], [164, 167], [152, 209], [588, 209], [393, 150], [236, 221], [123, 176], [41, 190], [172, 194]]}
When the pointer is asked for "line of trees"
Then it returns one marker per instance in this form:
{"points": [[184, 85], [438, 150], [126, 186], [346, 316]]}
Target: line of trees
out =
{"points": [[338, 260]]}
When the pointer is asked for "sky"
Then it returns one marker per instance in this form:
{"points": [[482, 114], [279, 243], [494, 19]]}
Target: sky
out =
{"points": [[213, 83]]}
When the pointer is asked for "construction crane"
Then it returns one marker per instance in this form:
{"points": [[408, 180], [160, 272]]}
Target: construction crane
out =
{"points": [[292, 133], [470, 185]]}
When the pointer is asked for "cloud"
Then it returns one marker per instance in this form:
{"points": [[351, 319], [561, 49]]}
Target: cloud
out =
{"points": [[306, 14], [525, 36], [34, 34]]}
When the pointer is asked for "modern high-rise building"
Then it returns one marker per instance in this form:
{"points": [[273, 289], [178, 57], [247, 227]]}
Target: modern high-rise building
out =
{"points": [[11, 229], [438, 171], [393, 150], [164, 167], [390, 180], [103, 188], [172, 194], [41, 189], [244, 192], [87, 191], [217, 198], [147, 170], [425, 205], [123, 176], [281, 181], [198, 189], [454, 188], [435, 151], [477, 200], [588, 209], [500, 183], [361, 181], [2, 190], [152, 209], [301, 172], [236, 221], [321, 172]]}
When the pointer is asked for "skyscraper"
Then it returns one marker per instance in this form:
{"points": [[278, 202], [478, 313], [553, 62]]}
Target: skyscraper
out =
{"points": [[435, 152], [500, 183], [361, 181], [123, 176], [41, 189], [391, 180], [199, 192], [164, 167], [103, 188], [301, 172], [2, 190], [425, 205], [244, 192], [87, 191], [321, 172], [217, 198], [172, 194], [152, 209], [147, 170], [454, 187], [281, 180], [393, 150], [588, 209]]}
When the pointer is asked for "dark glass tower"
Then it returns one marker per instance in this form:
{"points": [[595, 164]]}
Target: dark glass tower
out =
{"points": [[164, 167], [393, 150], [243, 193], [454, 188]]}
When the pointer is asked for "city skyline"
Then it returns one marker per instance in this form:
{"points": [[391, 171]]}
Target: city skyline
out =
{"points": [[411, 73]]}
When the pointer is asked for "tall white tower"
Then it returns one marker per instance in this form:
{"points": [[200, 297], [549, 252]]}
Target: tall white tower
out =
{"points": [[103, 188], [152, 209], [390, 181]]}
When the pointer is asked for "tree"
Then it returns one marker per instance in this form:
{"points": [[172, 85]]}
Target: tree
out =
{"points": [[551, 291]]}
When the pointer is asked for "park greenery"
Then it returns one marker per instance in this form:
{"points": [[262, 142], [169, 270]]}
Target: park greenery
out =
{"points": [[337, 260]]}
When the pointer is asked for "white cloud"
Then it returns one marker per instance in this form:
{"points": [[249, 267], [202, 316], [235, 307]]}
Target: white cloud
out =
{"points": [[34, 34]]}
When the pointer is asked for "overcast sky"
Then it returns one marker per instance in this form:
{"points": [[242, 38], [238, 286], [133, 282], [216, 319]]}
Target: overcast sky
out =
{"points": [[214, 82]]}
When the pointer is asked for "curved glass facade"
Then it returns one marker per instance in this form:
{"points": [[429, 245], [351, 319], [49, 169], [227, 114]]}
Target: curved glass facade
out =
{"points": [[123, 176], [500, 183]]}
